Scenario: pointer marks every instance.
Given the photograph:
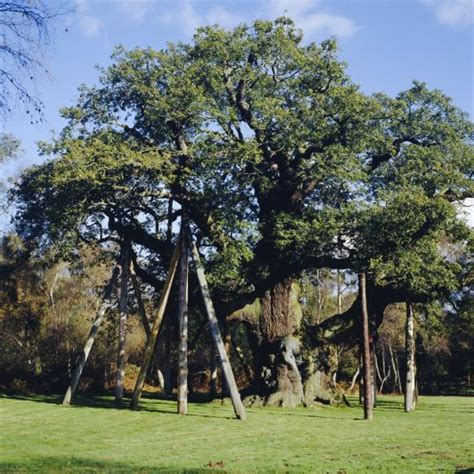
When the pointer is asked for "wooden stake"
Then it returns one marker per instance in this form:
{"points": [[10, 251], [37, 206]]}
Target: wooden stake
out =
{"points": [[410, 359], [141, 305], [104, 306], [183, 326], [150, 345], [123, 312], [366, 349], [216, 336]]}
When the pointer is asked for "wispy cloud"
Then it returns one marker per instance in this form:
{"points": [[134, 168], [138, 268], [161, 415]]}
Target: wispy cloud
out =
{"points": [[455, 13], [188, 15], [89, 24], [136, 10], [309, 16]]}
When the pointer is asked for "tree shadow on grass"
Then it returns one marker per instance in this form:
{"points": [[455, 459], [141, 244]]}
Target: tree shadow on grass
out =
{"points": [[148, 405], [73, 464]]}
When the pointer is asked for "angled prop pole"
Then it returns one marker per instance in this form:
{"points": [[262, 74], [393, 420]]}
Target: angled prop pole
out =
{"points": [[104, 306], [150, 344], [140, 303], [216, 336]]}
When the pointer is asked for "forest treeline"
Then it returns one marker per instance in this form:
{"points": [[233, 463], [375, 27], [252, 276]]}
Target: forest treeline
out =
{"points": [[47, 310], [293, 181]]}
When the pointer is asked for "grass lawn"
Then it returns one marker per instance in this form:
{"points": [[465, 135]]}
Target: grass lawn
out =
{"points": [[38, 434]]}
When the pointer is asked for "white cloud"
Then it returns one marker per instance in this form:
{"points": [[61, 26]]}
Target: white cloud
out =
{"points": [[136, 10], [189, 14], [453, 12], [311, 21], [89, 24]]}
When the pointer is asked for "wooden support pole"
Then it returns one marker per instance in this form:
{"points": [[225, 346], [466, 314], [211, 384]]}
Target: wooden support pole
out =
{"points": [[150, 345], [123, 313], [144, 319], [410, 359], [141, 305], [183, 326], [216, 336], [104, 306], [367, 365]]}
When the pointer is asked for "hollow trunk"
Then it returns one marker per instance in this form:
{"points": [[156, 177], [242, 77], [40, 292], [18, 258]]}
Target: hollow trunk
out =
{"points": [[410, 360], [277, 378]]}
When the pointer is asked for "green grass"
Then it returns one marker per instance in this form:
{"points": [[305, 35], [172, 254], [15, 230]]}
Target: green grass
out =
{"points": [[38, 434]]}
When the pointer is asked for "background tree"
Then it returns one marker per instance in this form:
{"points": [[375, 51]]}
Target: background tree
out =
{"points": [[24, 28]]}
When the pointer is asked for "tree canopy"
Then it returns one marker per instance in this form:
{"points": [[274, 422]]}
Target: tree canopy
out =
{"points": [[282, 163]]}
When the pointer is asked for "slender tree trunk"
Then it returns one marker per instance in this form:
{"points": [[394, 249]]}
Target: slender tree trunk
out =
{"points": [[367, 363], [227, 345], [410, 359], [354, 378], [104, 306], [150, 345], [123, 310], [339, 292], [373, 372], [216, 337], [183, 325], [213, 369]]}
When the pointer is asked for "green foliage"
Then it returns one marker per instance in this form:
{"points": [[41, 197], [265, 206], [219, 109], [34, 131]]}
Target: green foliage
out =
{"points": [[282, 163]]}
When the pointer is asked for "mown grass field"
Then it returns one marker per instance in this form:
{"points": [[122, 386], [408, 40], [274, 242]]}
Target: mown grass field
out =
{"points": [[37, 434]]}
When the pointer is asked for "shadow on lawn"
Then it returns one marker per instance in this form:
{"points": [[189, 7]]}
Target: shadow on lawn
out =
{"points": [[150, 405], [71, 464]]}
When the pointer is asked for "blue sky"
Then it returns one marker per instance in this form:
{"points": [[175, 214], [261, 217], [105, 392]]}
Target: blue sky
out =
{"points": [[387, 44]]}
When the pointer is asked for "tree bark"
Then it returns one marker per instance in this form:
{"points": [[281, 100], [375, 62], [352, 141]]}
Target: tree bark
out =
{"points": [[410, 359], [123, 310], [367, 363], [278, 380], [183, 326], [104, 306]]}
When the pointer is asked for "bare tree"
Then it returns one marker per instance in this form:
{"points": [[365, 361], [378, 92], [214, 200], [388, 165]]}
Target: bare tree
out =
{"points": [[24, 27]]}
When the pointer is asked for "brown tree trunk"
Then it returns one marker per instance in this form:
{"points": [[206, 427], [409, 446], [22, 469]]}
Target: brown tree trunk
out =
{"points": [[278, 379]]}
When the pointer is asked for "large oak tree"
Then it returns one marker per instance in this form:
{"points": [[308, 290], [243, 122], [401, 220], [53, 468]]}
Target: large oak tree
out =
{"points": [[282, 164]]}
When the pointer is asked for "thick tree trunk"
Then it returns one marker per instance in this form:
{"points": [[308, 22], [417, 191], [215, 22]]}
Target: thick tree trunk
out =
{"points": [[410, 359], [278, 380], [123, 310]]}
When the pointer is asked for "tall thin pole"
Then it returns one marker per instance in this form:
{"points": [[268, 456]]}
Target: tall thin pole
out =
{"points": [[104, 306], [123, 313], [216, 336], [183, 325], [410, 359], [150, 344], [366, 349]]}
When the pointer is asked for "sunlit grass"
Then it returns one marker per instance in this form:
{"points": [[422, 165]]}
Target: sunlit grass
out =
{"points": [[38, 434]]}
